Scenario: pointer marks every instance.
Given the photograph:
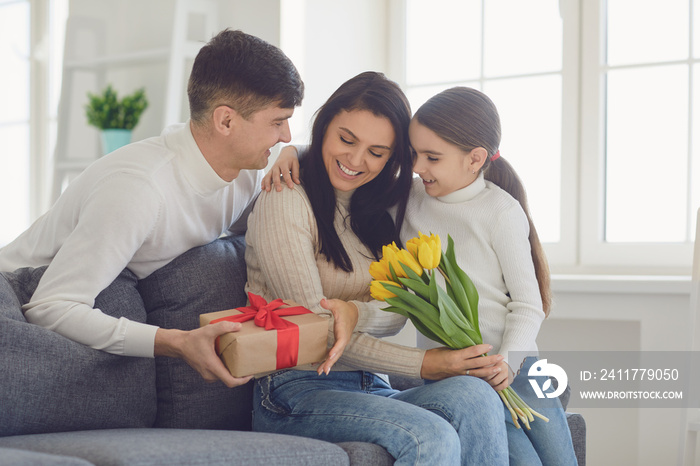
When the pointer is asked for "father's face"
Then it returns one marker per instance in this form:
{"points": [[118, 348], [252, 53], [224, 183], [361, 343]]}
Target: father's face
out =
{"points": [[256, 135]]}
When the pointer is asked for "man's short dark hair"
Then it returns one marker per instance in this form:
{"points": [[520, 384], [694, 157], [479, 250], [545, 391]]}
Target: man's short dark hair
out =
{"points": [[243, 72]]}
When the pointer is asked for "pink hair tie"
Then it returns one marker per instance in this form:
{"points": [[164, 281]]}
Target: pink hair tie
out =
{"points": [[496, 155]]}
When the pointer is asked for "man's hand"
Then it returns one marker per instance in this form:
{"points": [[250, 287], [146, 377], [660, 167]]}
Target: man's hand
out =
{"points": [[345, 317], [287, 166], [440, 363], [196, 348]]}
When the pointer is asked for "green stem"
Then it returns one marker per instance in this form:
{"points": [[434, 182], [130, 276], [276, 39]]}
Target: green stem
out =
{"points": [[510, 409]]}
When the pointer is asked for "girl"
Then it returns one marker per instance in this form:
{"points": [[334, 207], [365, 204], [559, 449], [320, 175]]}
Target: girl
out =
{"points": [[465, 189]]}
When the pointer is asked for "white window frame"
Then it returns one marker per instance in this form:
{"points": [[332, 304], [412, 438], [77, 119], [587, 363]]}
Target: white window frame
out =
{"points": [[41, 116], [582, 248], [661, 258]]}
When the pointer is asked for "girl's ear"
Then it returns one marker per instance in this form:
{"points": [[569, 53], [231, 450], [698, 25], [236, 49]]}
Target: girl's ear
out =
{"points": [[223, 119], [477, 158]]}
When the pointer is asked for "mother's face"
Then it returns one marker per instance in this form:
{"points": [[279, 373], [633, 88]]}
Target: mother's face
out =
{"points": [[356, 146]]}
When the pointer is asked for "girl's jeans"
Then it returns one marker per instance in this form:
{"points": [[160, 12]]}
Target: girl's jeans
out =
{"points": [[546, 443], [450, 422]]}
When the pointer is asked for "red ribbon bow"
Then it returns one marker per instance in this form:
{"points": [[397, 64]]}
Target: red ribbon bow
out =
{"points": [[269, 315]]}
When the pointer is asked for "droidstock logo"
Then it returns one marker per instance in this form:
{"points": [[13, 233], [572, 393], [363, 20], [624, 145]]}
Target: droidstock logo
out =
{"points": [[543, 369]]}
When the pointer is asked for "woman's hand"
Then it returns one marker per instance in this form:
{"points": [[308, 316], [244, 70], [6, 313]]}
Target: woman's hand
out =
{"points": [[286, 165], [345, 317], [440, 363]]}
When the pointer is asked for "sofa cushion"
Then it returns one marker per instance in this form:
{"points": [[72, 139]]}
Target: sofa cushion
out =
{"points": [[205, 279], [53, 384], [172, 447], [31, 458]]}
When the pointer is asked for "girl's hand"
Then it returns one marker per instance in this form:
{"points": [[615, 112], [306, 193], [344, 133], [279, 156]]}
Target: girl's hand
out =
{"points": [[345, 317], [501, 379], [440, 363], [286, 165]]}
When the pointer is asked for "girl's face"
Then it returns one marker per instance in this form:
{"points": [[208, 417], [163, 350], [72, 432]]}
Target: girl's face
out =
{"points": [[443, 167], [356, 146]]}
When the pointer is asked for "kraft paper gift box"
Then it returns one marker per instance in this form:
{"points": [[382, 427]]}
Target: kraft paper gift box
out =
{"points": [[253, 350]]}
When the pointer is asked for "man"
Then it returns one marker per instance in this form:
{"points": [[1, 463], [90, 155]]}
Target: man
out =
{"points": [[145, 204]]}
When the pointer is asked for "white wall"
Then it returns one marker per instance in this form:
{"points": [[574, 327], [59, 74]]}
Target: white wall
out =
{"points": [[330, 42]]}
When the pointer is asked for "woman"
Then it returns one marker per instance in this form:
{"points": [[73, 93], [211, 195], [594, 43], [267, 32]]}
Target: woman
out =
{"points": [[313, 244]]}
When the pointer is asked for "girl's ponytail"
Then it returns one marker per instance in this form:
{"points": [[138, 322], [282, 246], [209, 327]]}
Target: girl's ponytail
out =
{"points": [[501, 173]]}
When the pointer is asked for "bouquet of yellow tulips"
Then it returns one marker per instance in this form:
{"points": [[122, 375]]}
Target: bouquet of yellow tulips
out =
{"points": [[406, 279]]}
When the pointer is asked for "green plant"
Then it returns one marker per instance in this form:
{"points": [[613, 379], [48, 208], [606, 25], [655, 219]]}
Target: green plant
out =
{"points": [[106, 111]]}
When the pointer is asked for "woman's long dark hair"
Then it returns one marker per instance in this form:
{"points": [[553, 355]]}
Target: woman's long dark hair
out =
{"points": [[369, 217], [468, 119]]}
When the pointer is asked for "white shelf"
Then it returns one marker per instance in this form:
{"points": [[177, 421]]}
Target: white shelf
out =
{"points": [[130, 58], [95, 66]]}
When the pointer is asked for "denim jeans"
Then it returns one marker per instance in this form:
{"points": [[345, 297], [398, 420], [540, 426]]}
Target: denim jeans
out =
{"points": [[546, 443], [450, 422]]}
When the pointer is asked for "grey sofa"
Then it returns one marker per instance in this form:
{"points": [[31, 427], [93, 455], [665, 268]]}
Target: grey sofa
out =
{"points": [[63, 403]]}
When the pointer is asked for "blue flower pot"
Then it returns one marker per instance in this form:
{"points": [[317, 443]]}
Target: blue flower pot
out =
{"points": [[113, 139]]}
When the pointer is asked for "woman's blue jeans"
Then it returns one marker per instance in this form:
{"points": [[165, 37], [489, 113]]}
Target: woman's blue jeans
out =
{"points": [[546, 443], [454, 421]]}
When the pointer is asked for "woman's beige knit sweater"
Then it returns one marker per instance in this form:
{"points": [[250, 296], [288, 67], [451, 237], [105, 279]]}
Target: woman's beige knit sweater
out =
{"points": [[284, 261]]}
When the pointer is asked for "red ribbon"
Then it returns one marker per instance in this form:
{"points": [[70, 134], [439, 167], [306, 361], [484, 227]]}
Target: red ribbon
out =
{"points": [[268, 315]]}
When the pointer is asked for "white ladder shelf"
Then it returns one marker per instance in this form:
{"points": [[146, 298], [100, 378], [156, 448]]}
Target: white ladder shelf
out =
{"points": [[181, 50]]}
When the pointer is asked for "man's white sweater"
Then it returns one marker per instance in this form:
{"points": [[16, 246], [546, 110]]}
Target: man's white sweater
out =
{"points": [[139, 207]]}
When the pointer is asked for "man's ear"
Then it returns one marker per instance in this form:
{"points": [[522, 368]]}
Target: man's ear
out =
{"points": [[477, 158], [224, 119]]}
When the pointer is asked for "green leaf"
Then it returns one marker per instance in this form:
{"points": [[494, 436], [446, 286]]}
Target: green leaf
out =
{"points": [[433, 289], [456, 285], [452, 312], [420, 310], [106, 111], [417, 286], [472, 296], [394, 278]]}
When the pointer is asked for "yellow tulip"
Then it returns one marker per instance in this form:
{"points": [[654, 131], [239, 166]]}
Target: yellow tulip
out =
{"points": [[395, 256], [407, 258], [378, 292], [392, 247], [380, 270], [412, 246], [429, 251]]}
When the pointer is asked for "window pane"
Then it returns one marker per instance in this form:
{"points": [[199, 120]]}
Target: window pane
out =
{"points": [[530, 111], [443, 40], [58, 15], [647, 150], [14, 181], [14, 56], [695, 175], [538, 29], [696, 28], [640, 32], [417, 96]]}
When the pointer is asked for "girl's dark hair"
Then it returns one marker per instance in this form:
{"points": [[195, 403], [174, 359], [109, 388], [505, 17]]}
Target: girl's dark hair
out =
{"points": [[369, 216], [468, 119]]}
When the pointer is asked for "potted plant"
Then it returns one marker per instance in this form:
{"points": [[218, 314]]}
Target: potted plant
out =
{"points": [[116, 118]]}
